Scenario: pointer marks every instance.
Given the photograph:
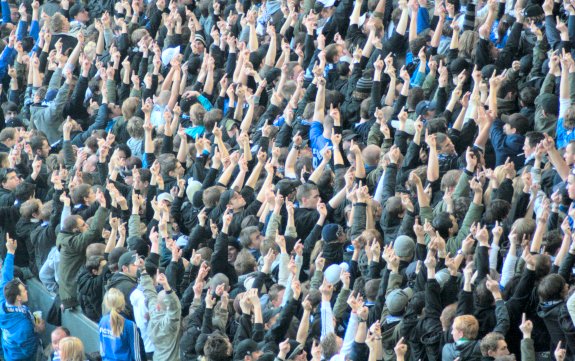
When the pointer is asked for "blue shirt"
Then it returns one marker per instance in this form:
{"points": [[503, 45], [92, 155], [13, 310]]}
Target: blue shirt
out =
{"points": [[318, 142]]}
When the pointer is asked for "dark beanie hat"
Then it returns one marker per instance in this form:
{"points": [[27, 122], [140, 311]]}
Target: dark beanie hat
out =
{"points": [[363, 85]]}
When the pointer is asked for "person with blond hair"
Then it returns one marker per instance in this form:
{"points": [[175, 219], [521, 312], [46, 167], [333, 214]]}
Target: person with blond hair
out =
{"points": [[71, 349], [119, 337]]}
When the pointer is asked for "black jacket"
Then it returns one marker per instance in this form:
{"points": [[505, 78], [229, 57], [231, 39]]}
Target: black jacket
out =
{"points": [[91, 292], [126, 285]]}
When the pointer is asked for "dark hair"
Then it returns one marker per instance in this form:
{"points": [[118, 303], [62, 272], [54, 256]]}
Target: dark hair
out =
{"points": [[36, 143], [534, 138], [551, 288], [93, 263], [497, 210], [70, 223], [24, 191], [12, 291], [4, 173], [442, 222], [217, 347], [528, 95]]}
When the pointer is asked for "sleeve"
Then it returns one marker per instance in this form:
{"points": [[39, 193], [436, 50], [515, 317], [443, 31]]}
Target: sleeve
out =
{"points": [[7, 273], [326, 319]]}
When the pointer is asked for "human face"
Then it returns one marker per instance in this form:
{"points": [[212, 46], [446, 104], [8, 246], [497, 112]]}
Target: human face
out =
{"points": [[83, 17], [569, 154], [11, 114], [131, 270], [447, 147], [45, 150], [527, 149], [313, 199], [90, 198], [501, 349], [456, 334], [571, 186], [11, 182], [256, 240], [55, 337], [82, 226], [232, 254], [237, 201], [507, 129], [23, 293]]}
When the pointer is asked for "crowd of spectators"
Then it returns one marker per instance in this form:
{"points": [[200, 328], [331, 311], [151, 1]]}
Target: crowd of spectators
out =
{"points": [[289, 179]]}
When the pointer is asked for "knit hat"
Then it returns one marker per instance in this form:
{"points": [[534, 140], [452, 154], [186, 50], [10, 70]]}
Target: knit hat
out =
{"points": [[364, 85], [192, 188], [331, 232], [404, 246], [245, 348], [397, 300], [458, 65], [199, 37], [549, 102], [487, 71], [532, 11]]}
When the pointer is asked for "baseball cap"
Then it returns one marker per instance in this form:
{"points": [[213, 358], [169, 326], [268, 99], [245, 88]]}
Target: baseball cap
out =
{"points": [[76, 9], [127, 259], [423, 107], [287, 186], [245, 348], [166, 197], [517, 121], [397, 300]]}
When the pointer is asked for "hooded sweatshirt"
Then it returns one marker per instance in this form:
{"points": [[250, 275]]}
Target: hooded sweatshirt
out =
{"points": [[123, 348], [19, 340]]}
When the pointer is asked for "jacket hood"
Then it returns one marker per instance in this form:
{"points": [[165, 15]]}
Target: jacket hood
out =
{"points": [[546, 309], [118, 278]]}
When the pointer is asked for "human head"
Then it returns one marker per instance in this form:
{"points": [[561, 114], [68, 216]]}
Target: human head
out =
{"points": [[115, 302], [531, 141], [95, 265], [308, 195], [331, 345], [465, 326], [247, 350], [58, 334], [71, 349], [515, 123], [9, 137], [9, 179], [15, 293], [59, 24], [494, 345], [128, 263], [79, 13], [444, 144], [250, 237], [217, 347], [74, 224], [552, 288], [245, 263]]}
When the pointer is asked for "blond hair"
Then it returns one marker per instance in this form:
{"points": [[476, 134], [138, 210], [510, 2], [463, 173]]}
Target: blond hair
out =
{"points": [[115, 302], [71, 349], [467, 325]]}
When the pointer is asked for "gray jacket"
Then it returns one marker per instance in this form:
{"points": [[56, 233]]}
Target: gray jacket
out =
{"points": [[49, 118]]}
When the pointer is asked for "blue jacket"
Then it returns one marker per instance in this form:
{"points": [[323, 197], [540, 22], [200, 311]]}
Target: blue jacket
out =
{"points": [[317, 141], [123, 348], [19, 341], [507, 145]]}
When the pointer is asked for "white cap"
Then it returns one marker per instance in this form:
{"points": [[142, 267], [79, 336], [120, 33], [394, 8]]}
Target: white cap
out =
{"points": [[333, 272], [409, 126], [168, 54], [327, 3]]}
